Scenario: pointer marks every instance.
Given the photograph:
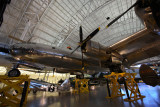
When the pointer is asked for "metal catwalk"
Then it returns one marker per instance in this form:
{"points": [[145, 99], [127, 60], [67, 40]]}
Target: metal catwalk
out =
{"points": [[96, 98]]}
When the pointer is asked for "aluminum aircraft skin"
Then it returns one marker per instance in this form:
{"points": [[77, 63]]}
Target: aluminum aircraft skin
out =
{"points": [[97, 58], [61, 60]]}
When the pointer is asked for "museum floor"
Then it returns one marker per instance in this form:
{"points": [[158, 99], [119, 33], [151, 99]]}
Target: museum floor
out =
{"points": [[96, 98]]}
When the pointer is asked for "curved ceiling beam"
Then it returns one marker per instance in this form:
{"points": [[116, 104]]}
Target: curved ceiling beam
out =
{"points": [[87, 15]]}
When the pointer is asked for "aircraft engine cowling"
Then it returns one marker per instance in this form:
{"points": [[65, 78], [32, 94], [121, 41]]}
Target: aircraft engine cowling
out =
{"points": [[149, 14], [95, 50]]}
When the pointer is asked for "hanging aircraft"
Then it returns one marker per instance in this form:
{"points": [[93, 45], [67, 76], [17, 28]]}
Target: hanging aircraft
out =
{"points": [[93, 56]]}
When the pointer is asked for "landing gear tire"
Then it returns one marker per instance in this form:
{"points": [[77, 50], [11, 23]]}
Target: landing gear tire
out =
{"points": [[52, 88], [14, 73], [80, 76], [34, 91]]}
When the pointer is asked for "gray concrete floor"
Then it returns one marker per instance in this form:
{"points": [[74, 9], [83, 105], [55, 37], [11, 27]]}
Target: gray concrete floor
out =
{"points": [[96, 98]]}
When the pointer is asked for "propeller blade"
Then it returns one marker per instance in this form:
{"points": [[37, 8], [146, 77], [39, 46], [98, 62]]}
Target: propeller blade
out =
{"points": [[75, 49], [80, 34], [87, 39], [82, 61], [82, 47], [90, 36], [81, 38], [82, 42], [17, 39], [122, 14]]}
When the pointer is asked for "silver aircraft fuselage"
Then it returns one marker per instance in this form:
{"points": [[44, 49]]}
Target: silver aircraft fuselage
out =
{"points": [[53, 57], [141, 45]]}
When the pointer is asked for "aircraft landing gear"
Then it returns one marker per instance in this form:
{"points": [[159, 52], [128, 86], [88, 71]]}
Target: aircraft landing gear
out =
{"points": [[14, 73], [80, 76], [34, 91], [116, 68], [51, 88]]}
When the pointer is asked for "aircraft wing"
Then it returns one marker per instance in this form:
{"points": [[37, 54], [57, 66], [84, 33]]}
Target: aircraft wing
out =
{"points": [[6, 60], [141, 45]]}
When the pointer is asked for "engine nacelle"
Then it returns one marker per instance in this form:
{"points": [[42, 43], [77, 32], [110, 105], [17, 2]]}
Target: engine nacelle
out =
{"points": [[149, 14], [95, 50], [116, 60]]}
